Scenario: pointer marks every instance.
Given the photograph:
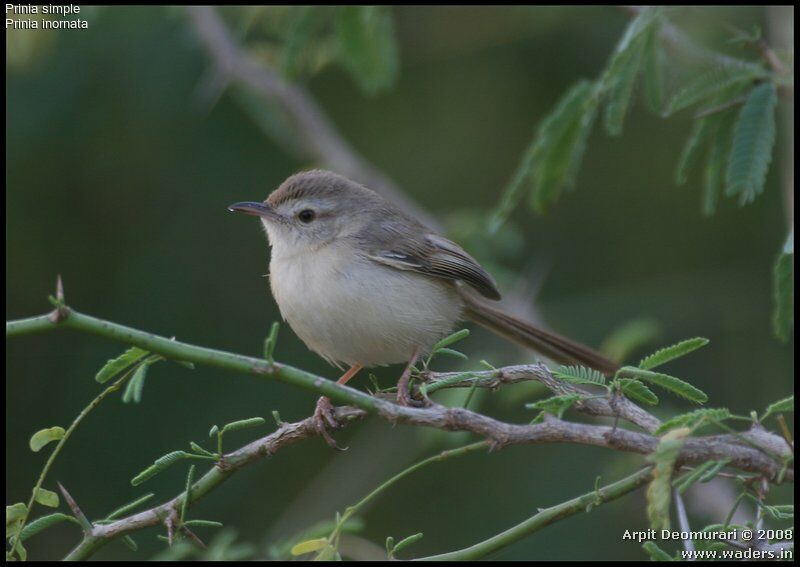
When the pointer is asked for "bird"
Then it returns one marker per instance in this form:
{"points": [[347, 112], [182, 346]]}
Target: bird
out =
{"points": [[363, 283]]}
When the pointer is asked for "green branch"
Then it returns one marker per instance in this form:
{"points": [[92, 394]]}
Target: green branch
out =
{"points": [[499, 434], [61, 442], [545, 518], [176, 350], [496, 434], [333, 539]]}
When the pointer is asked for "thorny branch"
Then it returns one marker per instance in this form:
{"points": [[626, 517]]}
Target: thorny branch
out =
{"points": [[499, 434]]}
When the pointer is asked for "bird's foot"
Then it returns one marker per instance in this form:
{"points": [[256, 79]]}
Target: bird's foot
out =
{"points": [[324, 419], [403, 395]]}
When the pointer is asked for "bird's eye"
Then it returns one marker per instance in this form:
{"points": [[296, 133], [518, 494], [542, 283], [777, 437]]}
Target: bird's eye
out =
{"points": [[306, 215]]}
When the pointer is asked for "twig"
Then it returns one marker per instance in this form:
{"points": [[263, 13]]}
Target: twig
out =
{"points": [[540, 373], [287, 434], [355, 508], [546, 517], [61, 442], [500, 434], [497, 433]]}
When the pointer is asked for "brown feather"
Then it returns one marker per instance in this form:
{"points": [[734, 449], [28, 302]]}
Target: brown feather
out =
{"points": [[556, 347]]}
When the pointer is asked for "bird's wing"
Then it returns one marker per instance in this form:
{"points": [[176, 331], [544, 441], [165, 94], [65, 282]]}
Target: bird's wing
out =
{"points": [[436, 256]]}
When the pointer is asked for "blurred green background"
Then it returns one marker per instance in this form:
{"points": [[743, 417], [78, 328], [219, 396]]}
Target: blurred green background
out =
{"points": [[118, 179]]}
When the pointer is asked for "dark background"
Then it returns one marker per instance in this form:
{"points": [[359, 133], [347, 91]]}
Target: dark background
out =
{"points": [[117, 180]]}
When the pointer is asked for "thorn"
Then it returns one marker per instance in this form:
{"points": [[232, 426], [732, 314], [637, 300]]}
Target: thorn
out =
{"points": [[61, 311], [76, 510], [191, 535], [169, 522], [59, 289]]}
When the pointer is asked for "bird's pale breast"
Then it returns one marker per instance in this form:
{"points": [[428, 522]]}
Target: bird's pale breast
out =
{"points": [[352, 310]]}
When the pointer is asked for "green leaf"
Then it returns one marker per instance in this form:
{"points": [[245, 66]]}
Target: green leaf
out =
{"points": [[198, 449], [21, 551], [653, 70], [187, 493], [683, 483], [660, 488], [307, 21], [367, 46], [655, 552], [116, 365], [551, 161], [130, 542], [45, 436], [454, 379], [135, 386], [159, 465], [665, 381], [694, 418], [783, 286], [328, 553], [405, 542], [781, 406], [580, 375], [514, 191], [779, 512], [714, 471], [664, 355], [122, 510], [716, 164], [204, 523], [560, 143], [637, 391], [451, 339], [753, 140], [243, 424], [638, 27], [14, 515], [712, 83], [702, 129], [46, 498], [621, 91], [309, 546], [270, 342], [41, 524], [556, 405], [453, 353]]}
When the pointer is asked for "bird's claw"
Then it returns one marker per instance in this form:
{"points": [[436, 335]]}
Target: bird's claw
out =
{"points": [[404, 397], [325, 419]]}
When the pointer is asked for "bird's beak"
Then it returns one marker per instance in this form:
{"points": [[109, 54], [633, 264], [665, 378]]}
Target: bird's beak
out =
{"points": [[257, 209]]}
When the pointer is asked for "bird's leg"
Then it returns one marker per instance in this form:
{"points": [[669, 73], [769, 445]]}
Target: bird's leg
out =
{"points": [[403, 396], [324, 417]]}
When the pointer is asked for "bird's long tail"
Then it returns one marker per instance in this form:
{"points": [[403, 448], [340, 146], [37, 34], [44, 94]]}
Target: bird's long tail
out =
{"points": [[556, 347]]}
